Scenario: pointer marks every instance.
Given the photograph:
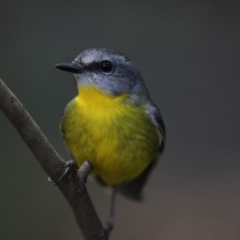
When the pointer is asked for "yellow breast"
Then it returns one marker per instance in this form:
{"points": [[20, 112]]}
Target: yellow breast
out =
{"points": [[118, 138]]}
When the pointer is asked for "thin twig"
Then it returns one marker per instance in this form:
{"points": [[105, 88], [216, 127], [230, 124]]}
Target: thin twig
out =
{"points": [[53, 164]]}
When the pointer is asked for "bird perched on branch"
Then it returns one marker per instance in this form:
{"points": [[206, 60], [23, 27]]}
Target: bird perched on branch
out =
{"points": [[112, 122]]}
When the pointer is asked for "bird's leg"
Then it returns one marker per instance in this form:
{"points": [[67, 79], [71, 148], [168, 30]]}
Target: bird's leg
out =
{"points": [[69, 166], [108, 227]]}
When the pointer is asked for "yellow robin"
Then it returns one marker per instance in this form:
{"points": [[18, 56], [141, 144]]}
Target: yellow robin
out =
{"points": [[112, 122]]}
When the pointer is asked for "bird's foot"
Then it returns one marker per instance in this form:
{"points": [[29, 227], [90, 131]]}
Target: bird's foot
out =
{"points": [[107, 228], [70, 165]]}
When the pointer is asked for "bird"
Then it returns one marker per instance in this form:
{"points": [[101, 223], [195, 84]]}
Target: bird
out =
{"points": [[112, 122]]}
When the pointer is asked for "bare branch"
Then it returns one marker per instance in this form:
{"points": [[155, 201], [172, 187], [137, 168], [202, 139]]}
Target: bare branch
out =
{"points": [[73, 187]]}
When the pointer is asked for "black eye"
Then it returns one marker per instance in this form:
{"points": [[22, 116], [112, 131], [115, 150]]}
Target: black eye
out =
{"points": [[106, 66]]}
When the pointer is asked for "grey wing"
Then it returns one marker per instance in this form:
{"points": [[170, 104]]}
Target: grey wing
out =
{"points": [[155, 114], [133, 189]]}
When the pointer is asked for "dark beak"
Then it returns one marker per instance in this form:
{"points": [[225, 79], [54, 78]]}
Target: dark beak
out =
{"points": [[69, 67]]}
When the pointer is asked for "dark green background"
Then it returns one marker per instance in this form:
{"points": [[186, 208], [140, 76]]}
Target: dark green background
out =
{"points": [[188, 53]]}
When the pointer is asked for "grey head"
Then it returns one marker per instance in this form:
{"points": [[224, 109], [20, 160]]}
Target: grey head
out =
{"points": [[109, 70]]}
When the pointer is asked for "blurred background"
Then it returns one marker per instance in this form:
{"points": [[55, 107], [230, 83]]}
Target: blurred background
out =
{"points": [[188, 53]]}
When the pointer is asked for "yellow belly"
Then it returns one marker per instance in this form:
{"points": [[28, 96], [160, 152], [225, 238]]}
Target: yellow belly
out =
{"points": [[119, 139]]}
